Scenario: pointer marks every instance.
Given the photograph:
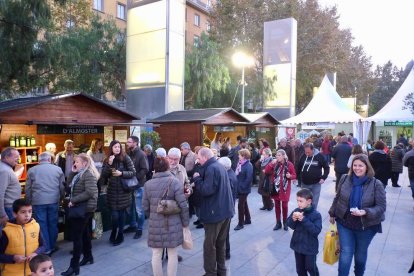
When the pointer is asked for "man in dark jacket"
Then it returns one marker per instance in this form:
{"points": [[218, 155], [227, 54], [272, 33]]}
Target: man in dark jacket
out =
{"points": [[141, 167], [408, 161], [299, 151], [216, 210], [341, 154], [283, 144], [310, 167], [234, 152]]}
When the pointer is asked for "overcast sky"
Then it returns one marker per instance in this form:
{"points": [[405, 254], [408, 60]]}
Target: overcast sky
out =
{"points": [[384, 28]]}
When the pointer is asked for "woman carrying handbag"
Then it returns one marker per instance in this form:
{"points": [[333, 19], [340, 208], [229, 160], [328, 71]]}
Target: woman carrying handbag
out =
{"points": [[164, 231], [82, 205]]}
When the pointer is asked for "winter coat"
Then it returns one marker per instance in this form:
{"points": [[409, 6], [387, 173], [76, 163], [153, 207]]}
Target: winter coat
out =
{"points": [[397, 155], [233, 183], [310, 168], [85, 189], [188, 162], [326, 147], [245, 178], [116, 198], [341, 154], [164, 231], [373, 201], [382, 165], [234, 156], [140, 161], [305, 233], [282, 195], [408, 161], [214, 185], [261, 165]]}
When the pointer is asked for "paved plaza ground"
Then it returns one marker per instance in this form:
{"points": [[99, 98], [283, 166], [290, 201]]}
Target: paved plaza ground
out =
{"points": [[257, 249]]}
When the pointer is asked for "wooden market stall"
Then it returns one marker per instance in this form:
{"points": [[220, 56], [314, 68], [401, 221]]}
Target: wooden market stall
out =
{"points": [[264, 125], [29, 123], [198, 126]]}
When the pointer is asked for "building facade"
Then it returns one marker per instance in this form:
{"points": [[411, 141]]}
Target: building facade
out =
{"points": [[112, 9]]}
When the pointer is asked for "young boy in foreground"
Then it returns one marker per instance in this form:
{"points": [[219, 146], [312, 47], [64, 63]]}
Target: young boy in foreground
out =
{"points": [[306, 223], [41, 265], [20, 241]]}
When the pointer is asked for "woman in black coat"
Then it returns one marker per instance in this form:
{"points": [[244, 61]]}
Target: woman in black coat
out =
{"points": [[117, 166], [381, 163], [397, 154]]}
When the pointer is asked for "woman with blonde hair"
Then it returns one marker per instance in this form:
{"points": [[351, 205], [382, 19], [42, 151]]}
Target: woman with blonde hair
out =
{"points": [[96, 153], [83, 190], [244, 173], [216, 143]]}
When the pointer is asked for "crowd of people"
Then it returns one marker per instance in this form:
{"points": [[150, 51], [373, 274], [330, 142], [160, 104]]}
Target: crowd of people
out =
{"points": [[205, 183]]}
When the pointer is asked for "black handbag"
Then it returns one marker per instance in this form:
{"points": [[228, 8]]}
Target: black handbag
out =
{"points": [[78, 210], [130, 184]]}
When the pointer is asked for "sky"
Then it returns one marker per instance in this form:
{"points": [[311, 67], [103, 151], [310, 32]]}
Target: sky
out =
{"points": [[383, 27]]}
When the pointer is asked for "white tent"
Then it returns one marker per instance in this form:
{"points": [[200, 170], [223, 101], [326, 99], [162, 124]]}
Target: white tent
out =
{"points": [[393, 110], [326, 106]]}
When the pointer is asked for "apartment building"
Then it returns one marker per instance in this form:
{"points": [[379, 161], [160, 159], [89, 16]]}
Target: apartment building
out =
{"points": [[196, 16]]}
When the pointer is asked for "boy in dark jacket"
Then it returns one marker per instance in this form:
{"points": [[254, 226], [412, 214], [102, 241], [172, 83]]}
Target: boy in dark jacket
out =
{"points": [[306, 223]]}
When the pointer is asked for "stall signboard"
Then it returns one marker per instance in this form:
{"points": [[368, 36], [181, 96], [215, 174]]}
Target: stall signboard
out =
{"points": [[121, 135], [290, 132], [223, 128], [397, 123], [315, 125], [108, 135], [69, 129]]}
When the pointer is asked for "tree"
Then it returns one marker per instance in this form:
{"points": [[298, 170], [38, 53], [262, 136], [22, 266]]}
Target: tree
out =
{"points": [[205, 74], [22, 61], [89, 59], [409, 102], [322, 46]]}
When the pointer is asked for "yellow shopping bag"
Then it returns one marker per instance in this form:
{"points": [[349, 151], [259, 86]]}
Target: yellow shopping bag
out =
{"points": [[331, 245]]}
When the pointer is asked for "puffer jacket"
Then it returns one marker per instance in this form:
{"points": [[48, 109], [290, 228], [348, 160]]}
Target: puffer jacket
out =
{"points": [[116, 198], [245, 178], [373, 201], [305, 235], [85, 189], [164, 231], [397, 155]]}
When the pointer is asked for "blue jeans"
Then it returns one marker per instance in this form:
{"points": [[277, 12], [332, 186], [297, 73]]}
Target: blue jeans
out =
{"points": [[353, 243], [327, 158], [137, 212], [316, 191], [47, 217]]}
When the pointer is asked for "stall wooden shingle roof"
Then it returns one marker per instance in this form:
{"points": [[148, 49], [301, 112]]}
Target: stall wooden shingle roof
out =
{"points": [[206, 116]]}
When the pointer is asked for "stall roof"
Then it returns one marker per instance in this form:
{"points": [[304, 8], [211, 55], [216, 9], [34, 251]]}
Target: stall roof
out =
{"points": [[259, 117], [199, 115], [62, 108]]}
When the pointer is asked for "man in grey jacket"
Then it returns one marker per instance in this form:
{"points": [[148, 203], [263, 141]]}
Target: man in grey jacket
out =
{"points": [[10, 189], [44, 189]]}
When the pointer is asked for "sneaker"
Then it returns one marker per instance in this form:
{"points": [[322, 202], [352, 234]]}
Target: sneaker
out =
{"points": [[138, 234], [263, 208], [227, 256], [248, 222], [238, 227], [130, 230], [200, 226]]}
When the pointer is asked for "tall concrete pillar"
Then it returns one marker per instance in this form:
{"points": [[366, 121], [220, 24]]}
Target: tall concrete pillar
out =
{"points": [[155, 57]]}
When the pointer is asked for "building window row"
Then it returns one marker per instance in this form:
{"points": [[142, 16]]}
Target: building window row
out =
{"points": [[197, 20], [120, 8]]}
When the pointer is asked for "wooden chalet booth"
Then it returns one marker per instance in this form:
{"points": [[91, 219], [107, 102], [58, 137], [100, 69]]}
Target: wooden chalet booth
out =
{"points": [[263, 125], [198, 126], [56, 118]]}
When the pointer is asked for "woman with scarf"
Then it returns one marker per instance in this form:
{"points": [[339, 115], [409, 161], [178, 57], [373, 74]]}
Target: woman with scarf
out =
{"points": [[282, 173], [264, 180], [381, 162], [244, 173], [358, 209], [83, 190]]}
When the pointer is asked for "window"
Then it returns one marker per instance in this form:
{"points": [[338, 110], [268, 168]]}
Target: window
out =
{"points": [[197, 20], [208, 26], [98, 5], [120, 11], [208, 3], [70, 23], [196, 40]]}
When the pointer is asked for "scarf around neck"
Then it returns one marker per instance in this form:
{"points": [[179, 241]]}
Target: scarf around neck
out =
{"points": [[281, 181], [239, 165], [356, 193]]}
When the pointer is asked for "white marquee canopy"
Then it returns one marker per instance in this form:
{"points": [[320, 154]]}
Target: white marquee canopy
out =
{"points": [[326, 106], [393, 110]]}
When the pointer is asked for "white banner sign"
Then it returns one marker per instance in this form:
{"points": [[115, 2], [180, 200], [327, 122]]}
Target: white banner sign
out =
{"points": [[318, 125]]}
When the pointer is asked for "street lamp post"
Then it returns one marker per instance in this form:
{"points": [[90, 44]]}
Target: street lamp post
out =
{"points": [[241, 60]]}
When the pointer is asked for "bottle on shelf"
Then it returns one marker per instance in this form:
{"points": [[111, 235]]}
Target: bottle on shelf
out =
{"points": [[34, 156], [17, 140], [22, 141], [20, 159], [28, 141], [33, 141], [12, 142]]}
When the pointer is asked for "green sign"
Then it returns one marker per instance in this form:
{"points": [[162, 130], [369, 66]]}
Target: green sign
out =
{"points": [[396, 123]]}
